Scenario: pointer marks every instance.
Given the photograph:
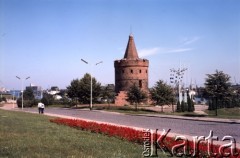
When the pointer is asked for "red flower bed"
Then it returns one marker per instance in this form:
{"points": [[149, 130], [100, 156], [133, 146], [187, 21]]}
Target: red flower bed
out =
{"points": [[129, 134], [134, 135]]}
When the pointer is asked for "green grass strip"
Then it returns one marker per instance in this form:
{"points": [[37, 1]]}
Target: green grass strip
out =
{"points": [[30, 135]]}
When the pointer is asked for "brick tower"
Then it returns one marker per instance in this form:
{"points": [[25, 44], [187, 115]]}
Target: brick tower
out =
{"points": [[128, 71]]}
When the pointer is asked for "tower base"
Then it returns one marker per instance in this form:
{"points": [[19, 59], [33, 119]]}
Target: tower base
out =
{"points": [[121, 99]]}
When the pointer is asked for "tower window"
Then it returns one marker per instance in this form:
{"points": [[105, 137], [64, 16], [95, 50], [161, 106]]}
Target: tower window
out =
{"points": [[140, 83], [131, 71], [146, 71], [140, 71]]}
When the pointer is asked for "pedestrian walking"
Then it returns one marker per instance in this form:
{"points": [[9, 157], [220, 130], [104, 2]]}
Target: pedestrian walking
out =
{"points": [[41, 107]]}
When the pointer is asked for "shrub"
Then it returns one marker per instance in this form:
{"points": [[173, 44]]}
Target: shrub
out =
{"points": [[26, 103], [190, 104], [3, 99]]}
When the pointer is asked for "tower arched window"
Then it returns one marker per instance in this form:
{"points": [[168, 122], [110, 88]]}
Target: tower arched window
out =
{"points": [[131, 71], [140, 71]]}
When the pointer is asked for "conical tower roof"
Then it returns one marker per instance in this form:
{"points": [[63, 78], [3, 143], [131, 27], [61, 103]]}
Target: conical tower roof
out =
{"points": [[131, 51]]}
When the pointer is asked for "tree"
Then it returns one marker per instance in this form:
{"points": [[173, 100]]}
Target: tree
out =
{"points": [[190, 104], [108, 93], [28, 94], [236, 98], [218, 89], [47, 99], [136, 95], [28, 98], [183, 106], [210, 105], [162, 94], [179, 109], [73, 90], [80, 89]]}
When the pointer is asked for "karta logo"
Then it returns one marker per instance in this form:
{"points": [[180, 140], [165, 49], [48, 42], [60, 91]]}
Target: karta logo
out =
{"points": [[180, 146]]}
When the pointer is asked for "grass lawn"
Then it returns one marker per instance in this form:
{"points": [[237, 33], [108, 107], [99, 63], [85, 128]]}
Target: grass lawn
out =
{"points": [[229, 113], [142, 110], [32, 135]]}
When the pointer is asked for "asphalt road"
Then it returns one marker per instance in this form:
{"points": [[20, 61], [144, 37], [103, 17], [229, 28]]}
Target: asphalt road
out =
{"points": [[177, 126]]}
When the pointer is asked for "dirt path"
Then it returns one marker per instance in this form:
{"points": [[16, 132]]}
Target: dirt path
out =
{"points": [[8, 106]]}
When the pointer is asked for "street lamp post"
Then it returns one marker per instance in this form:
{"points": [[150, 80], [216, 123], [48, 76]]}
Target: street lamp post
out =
{"points": [[216, 101], [13, 99], [91, 79], [22, 87], [172, 77]]}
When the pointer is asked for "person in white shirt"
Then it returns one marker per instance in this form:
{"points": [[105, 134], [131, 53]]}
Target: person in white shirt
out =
{"points": [[41, 108]]}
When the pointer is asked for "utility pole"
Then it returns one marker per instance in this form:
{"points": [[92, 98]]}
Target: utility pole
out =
{"points": [[22, 86], [176, 78]]}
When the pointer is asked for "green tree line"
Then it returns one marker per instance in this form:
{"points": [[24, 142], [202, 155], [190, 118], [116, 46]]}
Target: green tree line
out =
{"points": [[218, 91]]}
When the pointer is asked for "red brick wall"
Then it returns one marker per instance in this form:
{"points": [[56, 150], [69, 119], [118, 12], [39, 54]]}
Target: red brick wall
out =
{"points": [[120, 99]]}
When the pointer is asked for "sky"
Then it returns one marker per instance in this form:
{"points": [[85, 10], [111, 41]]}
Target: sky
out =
{"points": [[46, 39]]}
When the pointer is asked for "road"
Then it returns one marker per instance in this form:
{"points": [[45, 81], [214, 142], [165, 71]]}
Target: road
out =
{"points": [[177, 126]]}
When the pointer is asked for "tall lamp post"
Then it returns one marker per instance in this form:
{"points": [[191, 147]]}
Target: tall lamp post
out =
{"points": [[216, 95], [13, 98], [22, 87], [91, 79], [172, 81]]}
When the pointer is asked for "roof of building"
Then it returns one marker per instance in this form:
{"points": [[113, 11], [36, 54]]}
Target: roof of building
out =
{"points": [[131, 51]]}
